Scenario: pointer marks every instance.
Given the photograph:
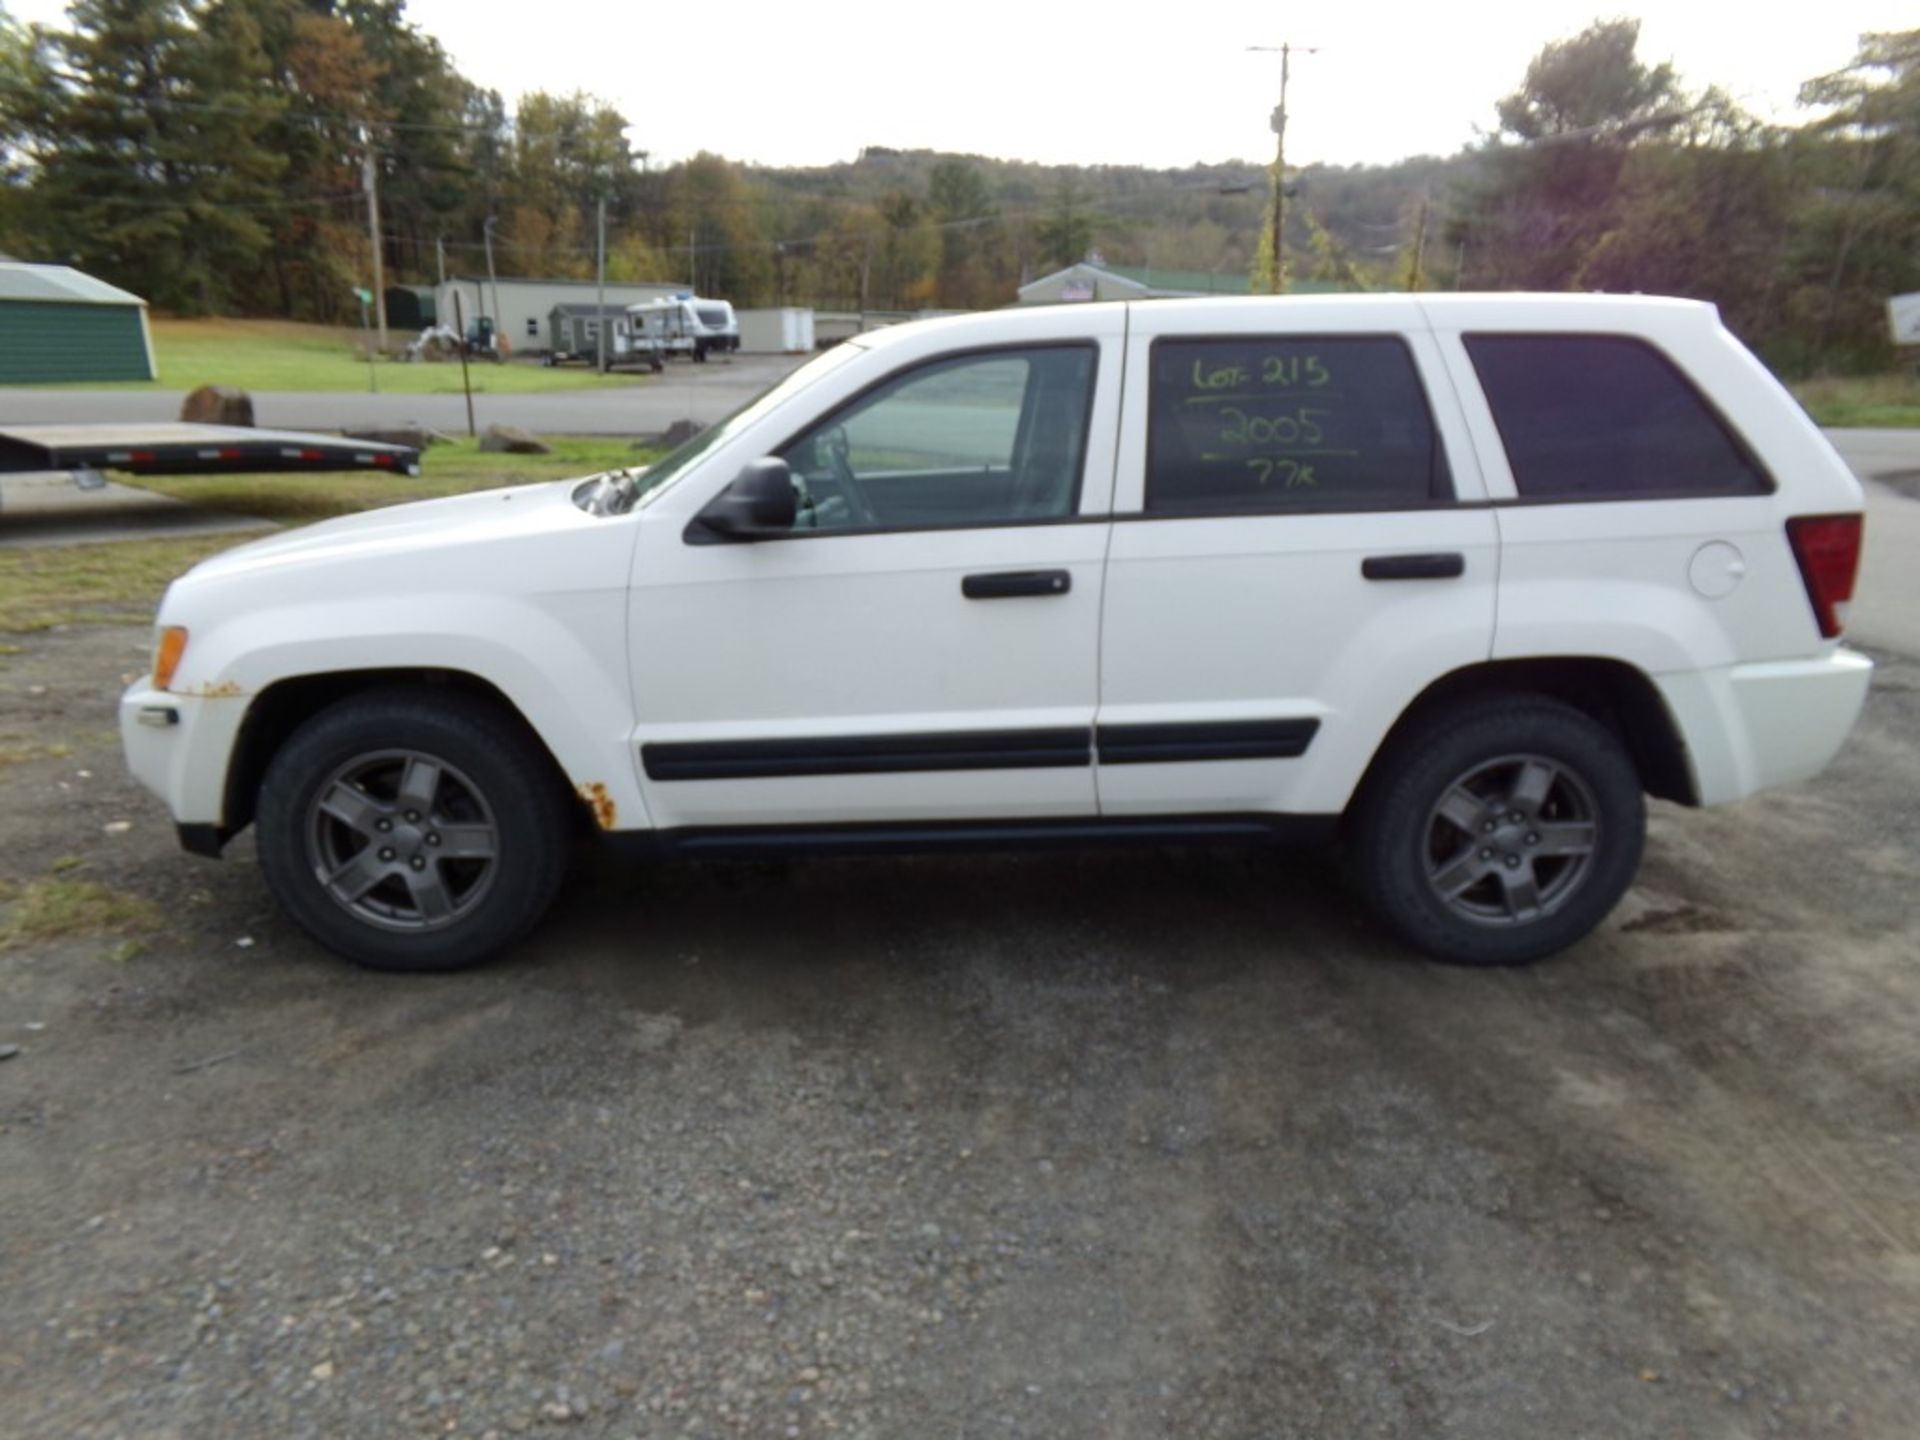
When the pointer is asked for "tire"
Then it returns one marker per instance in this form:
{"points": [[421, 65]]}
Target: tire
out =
{"points": [[489, 830], [1499, 832]]}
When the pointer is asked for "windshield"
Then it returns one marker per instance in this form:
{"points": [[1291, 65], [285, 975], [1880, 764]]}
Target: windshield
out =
{"points": [[661, 475]]}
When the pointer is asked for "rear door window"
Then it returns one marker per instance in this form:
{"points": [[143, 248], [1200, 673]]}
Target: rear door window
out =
{"points": [[1606, 417], [1266, 424]]}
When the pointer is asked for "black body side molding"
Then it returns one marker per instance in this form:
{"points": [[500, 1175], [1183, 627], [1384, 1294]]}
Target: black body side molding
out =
{"points": [[867, 754], [976, 750], [1220, 740]]}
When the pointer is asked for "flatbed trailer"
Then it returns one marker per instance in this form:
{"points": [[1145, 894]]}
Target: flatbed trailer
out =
{"points": [[179, 448]]}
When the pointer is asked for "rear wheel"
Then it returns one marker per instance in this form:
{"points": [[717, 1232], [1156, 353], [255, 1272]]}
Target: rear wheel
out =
{"points": [[412, 830], [1502, 832]]}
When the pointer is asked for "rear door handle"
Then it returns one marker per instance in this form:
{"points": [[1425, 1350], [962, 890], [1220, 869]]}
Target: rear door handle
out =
{"points": [[1005, 584], [1442, 565]]}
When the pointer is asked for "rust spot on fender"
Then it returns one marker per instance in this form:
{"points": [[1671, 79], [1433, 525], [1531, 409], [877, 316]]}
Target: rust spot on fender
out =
{"points": [[599, 802]]}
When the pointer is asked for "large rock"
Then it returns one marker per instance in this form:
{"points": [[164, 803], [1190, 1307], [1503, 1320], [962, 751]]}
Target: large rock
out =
{"points": [[680, 432], [412, 435], [512, 440], [218, 405]]}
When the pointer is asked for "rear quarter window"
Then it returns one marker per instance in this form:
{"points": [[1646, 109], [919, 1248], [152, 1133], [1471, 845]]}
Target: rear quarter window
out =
{"points": [[1606, 417]]}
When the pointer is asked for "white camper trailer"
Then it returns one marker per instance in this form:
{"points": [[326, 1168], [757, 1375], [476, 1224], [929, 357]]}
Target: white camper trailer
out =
{"points": [[687, 325]]}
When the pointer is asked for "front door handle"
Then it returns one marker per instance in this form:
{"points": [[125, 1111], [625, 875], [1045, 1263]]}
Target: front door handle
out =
{"points": [[1005, 584], [1442, 565]]}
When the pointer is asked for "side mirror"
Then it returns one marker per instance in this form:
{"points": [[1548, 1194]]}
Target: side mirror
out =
{"points": [[759, 502]]}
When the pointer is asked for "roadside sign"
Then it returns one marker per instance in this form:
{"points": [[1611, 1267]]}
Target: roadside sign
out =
{"points": [[1903, 314], [365, 297]]}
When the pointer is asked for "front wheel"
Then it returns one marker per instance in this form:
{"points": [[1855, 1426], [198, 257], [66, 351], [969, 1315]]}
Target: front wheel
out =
{"points": [[412, 829], [1501, 832]]}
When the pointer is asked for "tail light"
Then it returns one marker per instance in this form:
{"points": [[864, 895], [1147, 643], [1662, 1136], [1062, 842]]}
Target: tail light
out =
{"points": [[1828, 549]]}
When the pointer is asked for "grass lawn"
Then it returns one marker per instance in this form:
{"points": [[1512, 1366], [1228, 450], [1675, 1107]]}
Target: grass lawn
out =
{"points": [[1868, 401], [113, 584], [120, 582], [268, 355]]}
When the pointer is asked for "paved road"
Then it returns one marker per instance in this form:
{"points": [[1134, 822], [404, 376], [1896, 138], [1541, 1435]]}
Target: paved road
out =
{"points": [[697, 392]]}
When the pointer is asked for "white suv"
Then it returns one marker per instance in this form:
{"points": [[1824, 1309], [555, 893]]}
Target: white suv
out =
{"points": [[1455, 581]]}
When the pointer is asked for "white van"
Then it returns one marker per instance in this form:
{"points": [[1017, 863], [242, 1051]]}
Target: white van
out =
{"points": [[687, 325]]}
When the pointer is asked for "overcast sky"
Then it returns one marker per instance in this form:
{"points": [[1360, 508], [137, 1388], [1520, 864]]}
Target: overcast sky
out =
{"points": [[799, 83]]}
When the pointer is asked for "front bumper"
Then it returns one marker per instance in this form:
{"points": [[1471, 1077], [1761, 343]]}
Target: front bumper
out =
{"points": [[178, 746]]}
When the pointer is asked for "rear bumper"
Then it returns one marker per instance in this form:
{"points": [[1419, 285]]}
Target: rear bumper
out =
{"points": [[1752, 727]]}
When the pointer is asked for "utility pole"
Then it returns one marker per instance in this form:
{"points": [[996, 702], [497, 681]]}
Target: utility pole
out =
{"points": [[466, 381], [492, 279], [440, 258], [866, 266], [601, 328], [368, 174], [1279, 123], [1419, 246]]}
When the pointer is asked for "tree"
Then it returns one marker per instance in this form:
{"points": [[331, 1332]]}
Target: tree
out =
{"points": [[152, 166], [1701, 218], [961, 205], [1551, 174], [320, 251], [1066, 234], [1593, 82], [1867, 211], [421, 98], [20, 80], [715, 225]]}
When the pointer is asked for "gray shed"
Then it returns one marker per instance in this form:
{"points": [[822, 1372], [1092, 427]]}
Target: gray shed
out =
{"points": [[57, 324], [575, 329]]}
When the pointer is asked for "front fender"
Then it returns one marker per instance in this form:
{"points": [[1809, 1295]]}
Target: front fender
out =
{"points": [[559, 659]]}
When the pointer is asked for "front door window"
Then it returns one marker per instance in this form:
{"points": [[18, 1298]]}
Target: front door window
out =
{"points": [[994, 438]]}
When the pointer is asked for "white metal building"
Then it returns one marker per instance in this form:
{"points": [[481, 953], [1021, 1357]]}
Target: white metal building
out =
{"points": [[786, 331], [525, 306], [1090, 281]]}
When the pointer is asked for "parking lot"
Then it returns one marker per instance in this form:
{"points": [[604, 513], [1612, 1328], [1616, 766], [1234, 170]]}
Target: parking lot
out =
{"points": [[1169, 1143]]}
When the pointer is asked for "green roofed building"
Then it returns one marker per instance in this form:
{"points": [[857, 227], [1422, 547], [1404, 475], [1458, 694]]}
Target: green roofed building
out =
{"points": [[57, 324]]}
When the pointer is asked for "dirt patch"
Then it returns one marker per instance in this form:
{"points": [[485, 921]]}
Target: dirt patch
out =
{"points": [[1161, 1143]]}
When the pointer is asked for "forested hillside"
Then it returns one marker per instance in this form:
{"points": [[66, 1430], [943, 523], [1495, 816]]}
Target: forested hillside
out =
{"points": [[214, 157]]}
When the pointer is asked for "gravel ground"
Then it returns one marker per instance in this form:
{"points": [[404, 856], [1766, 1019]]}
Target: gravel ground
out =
{"points": [[1151, 1144]]}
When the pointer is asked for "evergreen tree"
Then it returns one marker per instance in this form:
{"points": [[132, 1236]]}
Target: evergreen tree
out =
{"points": [[21, 82], [152, 168]]}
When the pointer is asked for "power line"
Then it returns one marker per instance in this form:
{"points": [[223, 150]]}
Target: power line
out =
{"points": [[249, 206], [78, 86]]}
